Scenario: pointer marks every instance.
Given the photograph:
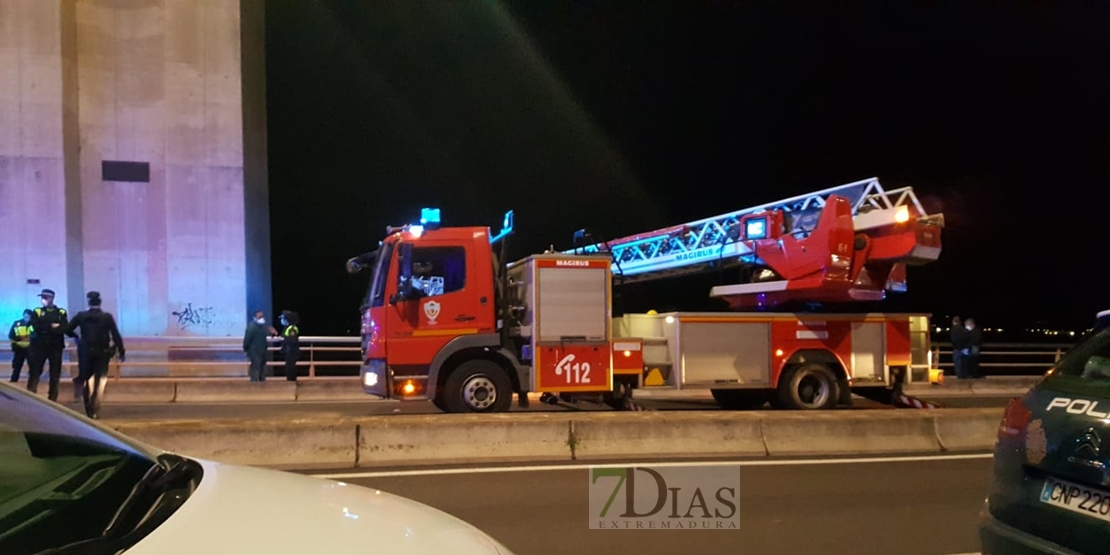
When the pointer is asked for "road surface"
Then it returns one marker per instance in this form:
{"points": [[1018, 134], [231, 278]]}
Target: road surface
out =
{"points": [[304, 409], [917, 506]]}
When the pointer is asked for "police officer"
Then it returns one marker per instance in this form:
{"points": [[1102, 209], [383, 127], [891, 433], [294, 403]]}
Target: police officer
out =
{"points": [[102, 340], [20, 334], [291, 343], [82, 359], [47, 343]]}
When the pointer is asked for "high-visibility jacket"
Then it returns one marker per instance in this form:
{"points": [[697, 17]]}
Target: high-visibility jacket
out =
{"points": [[44, 333], [291, 340], [20, 334]]}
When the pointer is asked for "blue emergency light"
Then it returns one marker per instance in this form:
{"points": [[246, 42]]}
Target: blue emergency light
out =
{"points": [[506, 228], [429, 217]]}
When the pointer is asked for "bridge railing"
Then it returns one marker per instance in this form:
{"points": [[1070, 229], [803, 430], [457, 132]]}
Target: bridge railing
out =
{"points": [[327, 357], [218, 357], [1019, 358]]}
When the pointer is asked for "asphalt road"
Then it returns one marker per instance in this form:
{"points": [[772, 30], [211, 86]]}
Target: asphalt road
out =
{"points": [[919, 507], [304, 409]]}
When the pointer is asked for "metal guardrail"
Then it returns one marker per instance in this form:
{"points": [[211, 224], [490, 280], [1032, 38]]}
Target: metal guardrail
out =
{"points": [[206, 357], [1044, 355]]}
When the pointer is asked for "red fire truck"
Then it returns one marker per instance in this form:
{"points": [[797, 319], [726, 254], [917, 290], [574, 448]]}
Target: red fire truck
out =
{"points": [[446, 319]]}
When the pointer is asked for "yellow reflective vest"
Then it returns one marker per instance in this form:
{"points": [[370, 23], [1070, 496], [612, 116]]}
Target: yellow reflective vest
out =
{"points": [[20, 334]]}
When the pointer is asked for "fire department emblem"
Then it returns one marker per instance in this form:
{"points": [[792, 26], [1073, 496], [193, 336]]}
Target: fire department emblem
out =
{"points": [[431, 310], [1036, 444]]}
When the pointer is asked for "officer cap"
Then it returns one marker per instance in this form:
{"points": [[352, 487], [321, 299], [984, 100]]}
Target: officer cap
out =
{"points": [[92, 295], [47, 293]]}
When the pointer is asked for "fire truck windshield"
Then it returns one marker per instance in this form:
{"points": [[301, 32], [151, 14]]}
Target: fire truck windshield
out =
{"points": [[375, 295]]}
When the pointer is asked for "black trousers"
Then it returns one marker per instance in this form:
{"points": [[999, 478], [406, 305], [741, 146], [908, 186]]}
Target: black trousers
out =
{"points": [[40, 355], [94, 380], [291, 365], [20, 355]]}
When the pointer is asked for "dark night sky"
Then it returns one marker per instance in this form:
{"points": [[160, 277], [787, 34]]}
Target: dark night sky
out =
{"points": [[627, 116]]}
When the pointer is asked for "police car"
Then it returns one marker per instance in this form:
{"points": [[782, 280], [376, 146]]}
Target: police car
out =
{"points": [[70, 486], [1051, 489]]}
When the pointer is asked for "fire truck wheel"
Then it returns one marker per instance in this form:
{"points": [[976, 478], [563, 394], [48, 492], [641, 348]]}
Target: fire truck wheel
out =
{"points": [[478, 386], [808, 387]]}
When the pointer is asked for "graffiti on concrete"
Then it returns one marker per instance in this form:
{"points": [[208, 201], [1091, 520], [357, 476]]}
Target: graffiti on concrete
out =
{"points": [[190, 317]]}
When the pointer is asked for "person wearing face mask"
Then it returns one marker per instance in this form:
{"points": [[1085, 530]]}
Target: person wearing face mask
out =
{"points": [[20, 335], [47, 343], [256, 344]]}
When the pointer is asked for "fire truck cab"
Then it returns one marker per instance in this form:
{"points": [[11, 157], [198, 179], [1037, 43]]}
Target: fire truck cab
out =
{"points": [[434, 322]]}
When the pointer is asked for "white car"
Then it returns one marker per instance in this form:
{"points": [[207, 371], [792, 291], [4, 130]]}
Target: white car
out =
{"points": [[71, 486]]}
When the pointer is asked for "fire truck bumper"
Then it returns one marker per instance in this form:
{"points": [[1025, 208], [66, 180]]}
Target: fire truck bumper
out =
{"points": [[375, 378]]}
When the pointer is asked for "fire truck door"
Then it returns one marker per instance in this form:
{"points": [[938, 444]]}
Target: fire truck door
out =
{"points": [[868, 347], [442, 310]]}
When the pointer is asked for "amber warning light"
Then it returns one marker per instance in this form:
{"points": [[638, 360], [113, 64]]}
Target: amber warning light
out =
{"points": [[409, 388]]}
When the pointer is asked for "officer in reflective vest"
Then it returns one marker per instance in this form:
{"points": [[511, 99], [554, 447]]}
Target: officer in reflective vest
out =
{"points": [[20, 334], [291, 343], [48, 340]]}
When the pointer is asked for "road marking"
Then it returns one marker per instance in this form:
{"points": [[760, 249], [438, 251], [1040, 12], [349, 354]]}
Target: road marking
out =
{"points": [[554, 467]]}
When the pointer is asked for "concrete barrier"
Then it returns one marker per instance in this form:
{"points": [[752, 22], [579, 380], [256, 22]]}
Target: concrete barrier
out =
{"points": [[968, 429], [1021, 384], [413, 440], [462, 438], [239, 390], [614, 435], [849, 433], [228, 391], [331, 389], [999, 385], [140, 391], [279, 444]]}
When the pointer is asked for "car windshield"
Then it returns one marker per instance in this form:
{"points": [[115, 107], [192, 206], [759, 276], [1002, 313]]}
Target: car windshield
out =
{"points": [[63, 480], [376, 293], [1090, 358]]}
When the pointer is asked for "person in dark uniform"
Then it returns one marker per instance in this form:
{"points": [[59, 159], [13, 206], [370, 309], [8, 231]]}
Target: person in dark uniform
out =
{"points": [[102, 340], [48, 340], [256, 344], [82, 360], [20, 335], [291, 343], [958, 338], [974, 347]]}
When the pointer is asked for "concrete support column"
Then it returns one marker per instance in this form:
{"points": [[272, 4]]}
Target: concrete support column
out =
{"points": [[133, 160]]}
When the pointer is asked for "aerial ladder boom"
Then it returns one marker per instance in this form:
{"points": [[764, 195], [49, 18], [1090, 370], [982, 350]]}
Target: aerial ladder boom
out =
{"points": [[850, 242]]}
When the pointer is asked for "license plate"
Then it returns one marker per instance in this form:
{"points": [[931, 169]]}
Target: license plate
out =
{"points": [[1077, 498]]}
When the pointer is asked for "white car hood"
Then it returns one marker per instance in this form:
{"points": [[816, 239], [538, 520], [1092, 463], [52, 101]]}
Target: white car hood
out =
{"points": [[251, 510]]}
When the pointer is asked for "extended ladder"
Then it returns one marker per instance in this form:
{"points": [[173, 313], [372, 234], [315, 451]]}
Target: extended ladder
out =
{"points": [[700, 245]]}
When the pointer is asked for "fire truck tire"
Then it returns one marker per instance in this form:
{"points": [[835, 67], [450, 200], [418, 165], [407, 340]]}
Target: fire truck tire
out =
{"points": [[739, 399], [811, 386], [477, 386]]}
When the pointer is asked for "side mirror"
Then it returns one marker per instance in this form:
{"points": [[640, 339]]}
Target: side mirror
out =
{"points": [[404, 274]]}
